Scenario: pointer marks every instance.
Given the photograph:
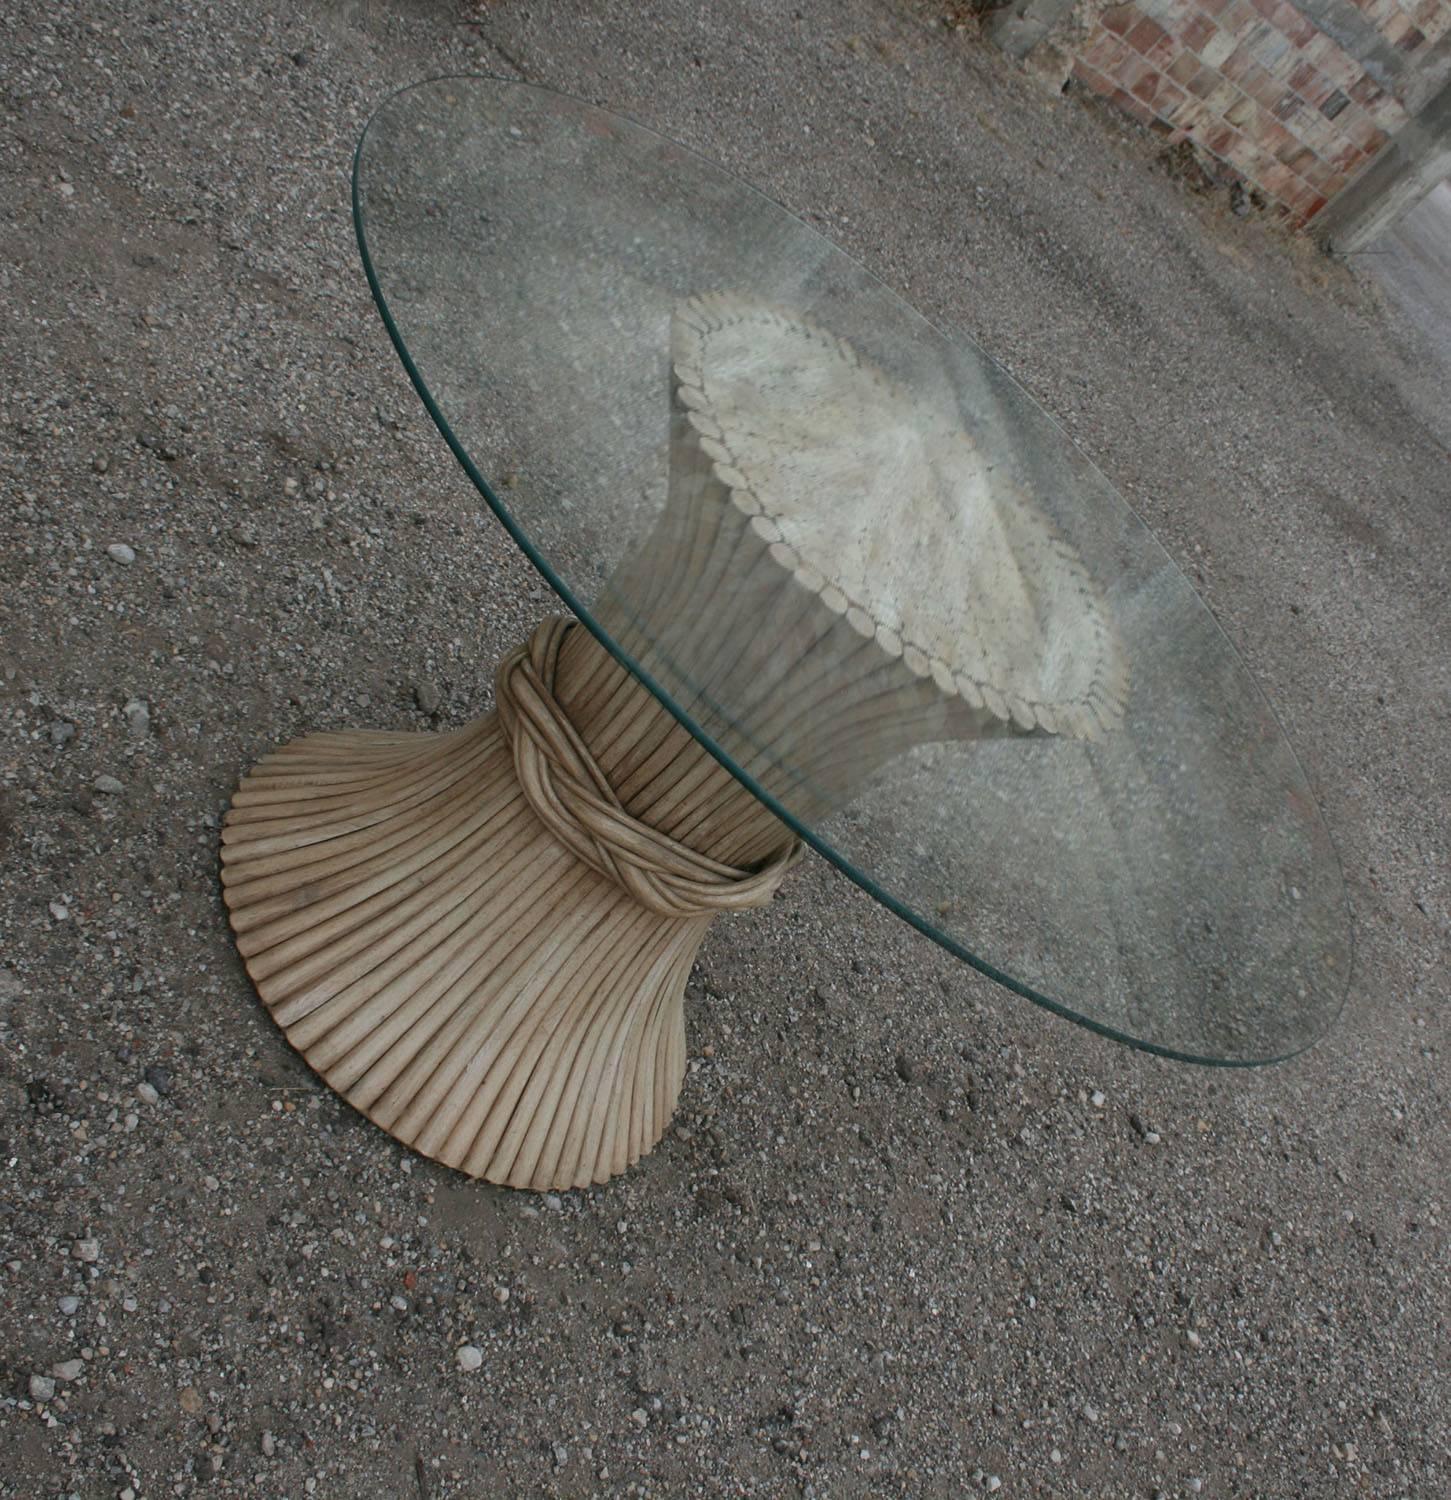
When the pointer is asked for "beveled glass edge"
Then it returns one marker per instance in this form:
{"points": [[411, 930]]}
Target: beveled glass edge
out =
{"points": [[800, 829]]}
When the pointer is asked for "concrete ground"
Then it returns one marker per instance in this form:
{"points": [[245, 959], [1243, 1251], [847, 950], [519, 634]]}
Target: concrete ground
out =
{"points": [[893, 1246], [1412, 262]]}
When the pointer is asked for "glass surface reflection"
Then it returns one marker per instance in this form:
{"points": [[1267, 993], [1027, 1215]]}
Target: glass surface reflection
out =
{"points": [[863, 567]]}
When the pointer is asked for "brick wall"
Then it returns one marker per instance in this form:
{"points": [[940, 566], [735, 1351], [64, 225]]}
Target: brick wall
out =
{"points": [[1293, 98]]}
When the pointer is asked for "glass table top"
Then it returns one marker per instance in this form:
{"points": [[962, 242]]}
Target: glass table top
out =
{"points": [[857, 560]]}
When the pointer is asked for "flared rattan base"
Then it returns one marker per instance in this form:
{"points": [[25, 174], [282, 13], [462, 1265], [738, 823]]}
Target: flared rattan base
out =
{"points": [[444, 959]]}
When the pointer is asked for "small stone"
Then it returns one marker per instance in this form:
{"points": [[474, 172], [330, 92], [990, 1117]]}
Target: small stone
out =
{"points": [[159, 1078], [109, 786], [68, 1369], [269, 1445], [60, 911], [1193, 1340], [470, 1357], [1098, 1099], [69, 1305], [993, 1483], [121, 553], [62, 732], [42, 1387], [138, 715], [398, 1302], [88, 1251], [553, 1200], [501, 1295], [427, 696], [147, 1094], [640, 1417], [906, 1068], [191, 1400], [1090, 1412], [561, 1455]]}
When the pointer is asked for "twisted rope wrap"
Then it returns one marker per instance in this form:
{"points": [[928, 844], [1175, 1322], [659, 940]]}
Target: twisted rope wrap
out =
{"points": [[571, 797]]}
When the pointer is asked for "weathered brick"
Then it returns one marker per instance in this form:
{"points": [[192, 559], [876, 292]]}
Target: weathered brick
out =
{"points": [[1237, 65], [1223, 95], [1169, 99], [1101, 52], [1270, 48], [1121, 19], [1436, 26], [1364, 91], [1145, 34], [1358, 128], [1317, 174], [1238, 17], [1390, 114], [1347, 158], [1161, 54], [1285, 64], [1318, 90], [1220, 139], [1262, 87], [1126, 102], [1277, 180], [1129, 70], [1090, 77], [1147, 87], [1243, 113], [1217, 48]]}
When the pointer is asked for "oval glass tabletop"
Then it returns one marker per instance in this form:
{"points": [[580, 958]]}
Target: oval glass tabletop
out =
{"points": [[860, 564]]}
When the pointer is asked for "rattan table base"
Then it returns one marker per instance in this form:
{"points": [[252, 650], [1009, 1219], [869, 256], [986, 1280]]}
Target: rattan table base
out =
{"points": [[474, 939]]}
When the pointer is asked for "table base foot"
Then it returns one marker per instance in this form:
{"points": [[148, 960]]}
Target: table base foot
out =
{"points": [[447, 965]]}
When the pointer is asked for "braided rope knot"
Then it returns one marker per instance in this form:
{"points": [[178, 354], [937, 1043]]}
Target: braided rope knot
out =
{"points": [[571, 797]]}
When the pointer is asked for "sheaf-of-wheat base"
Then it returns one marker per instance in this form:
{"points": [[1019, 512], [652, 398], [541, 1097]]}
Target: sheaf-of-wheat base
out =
{"points": [[447, 964]]}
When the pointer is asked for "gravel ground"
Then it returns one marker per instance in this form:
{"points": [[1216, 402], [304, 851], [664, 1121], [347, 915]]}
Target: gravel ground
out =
{"points": [[911, 1236]]}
